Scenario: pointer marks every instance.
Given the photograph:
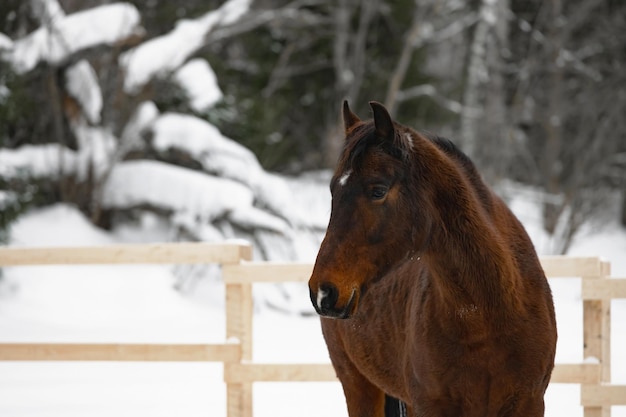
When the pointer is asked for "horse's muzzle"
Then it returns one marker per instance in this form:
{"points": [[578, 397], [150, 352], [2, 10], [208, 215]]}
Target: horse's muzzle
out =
{"points": [[325, 302]]}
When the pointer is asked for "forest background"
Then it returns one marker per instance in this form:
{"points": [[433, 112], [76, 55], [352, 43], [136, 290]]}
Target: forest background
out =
{"points": [[532, 90]]}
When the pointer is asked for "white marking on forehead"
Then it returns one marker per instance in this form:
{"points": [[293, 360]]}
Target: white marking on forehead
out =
{"points": [[409, 140], [344, 177]]}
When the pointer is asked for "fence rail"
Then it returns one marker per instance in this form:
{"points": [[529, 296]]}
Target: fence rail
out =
{"points": [[119, 352], [239, 274]]}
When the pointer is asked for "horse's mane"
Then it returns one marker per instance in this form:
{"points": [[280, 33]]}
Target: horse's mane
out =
{"points": [[453, 151], [465, 163]]}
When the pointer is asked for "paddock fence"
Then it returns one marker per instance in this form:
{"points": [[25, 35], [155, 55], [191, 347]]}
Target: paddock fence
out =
{"points": [[240, 273]]}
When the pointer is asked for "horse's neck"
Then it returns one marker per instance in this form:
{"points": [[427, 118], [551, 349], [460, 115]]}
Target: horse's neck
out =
{"points": [[467, 255]]}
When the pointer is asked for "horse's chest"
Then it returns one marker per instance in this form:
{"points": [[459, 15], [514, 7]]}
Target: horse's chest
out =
{"points": [[379, 353], [377, 341], [401, 338]]}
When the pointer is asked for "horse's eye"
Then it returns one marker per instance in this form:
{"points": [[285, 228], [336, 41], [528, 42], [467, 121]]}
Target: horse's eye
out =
{"points": [[378, 192]]}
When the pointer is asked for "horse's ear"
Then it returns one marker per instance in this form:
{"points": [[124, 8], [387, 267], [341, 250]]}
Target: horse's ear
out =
{"points": [[349, 118], [382, 121]]}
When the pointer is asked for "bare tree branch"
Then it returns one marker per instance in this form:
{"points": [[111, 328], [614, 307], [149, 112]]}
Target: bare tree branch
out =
{"points": [[418, 35], [430, 91], [476, 75], [359, 52], [399, 72], [290, 13]]}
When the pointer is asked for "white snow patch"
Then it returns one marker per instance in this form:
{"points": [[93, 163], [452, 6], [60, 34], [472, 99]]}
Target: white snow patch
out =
{"points": [[48, 160], [5, 42], [96, 146], [141, 121], [216, 153], [272, 192], [96, 149], [57, 225], [82, 84], [65, 35], [133, 183], [205, 232], [310, 202], [253, 218], [164, 54], [198, 80], [48, 10]]}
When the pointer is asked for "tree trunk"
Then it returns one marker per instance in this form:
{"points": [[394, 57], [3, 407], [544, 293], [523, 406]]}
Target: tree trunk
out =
{"points": [[494, 152], [550, 164], [349, 56], [623, 214], [477, 75], [401, 68]]}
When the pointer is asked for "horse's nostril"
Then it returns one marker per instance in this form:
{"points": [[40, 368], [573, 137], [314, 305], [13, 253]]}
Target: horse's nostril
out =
{"points": [[327, 297]]}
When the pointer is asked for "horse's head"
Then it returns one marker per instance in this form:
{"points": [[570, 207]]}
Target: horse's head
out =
{"points": [[374, 222]]}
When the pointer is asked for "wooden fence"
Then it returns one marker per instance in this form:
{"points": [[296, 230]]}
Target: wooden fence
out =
{"points": [[239, 274]]}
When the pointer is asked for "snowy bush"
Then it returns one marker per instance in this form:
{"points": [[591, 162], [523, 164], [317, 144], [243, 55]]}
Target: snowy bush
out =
{"points": [[130, 150]]}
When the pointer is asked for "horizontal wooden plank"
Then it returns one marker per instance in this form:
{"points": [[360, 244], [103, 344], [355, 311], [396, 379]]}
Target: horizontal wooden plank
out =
{"points": [[567, 266], [225, 253], [250, 272], [602, 395], [240, 373], [578, 373], [161, 253], [119, 352], [244, 373], [605, 288]]}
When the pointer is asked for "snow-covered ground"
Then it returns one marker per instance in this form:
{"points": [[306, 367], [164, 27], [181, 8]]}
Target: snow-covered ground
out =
{"points": [[138, 304]]}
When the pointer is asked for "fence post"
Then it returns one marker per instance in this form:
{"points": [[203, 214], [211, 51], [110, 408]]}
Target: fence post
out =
{"points": [[239, 314], [597, 338]]}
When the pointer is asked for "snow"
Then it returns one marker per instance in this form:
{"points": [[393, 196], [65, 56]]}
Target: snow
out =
{"points": [[198, 80], [166, 53], [228, 159], [231, 190], [5, 42], [139, 124], [132, 304], [97, 146], [134, 183], [63, 36], [205, 142], [82, 84], [254, 218], [42, 160]]}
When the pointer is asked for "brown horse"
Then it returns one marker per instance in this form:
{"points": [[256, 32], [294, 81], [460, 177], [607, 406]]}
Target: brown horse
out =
{"points": [[442, 300]]}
